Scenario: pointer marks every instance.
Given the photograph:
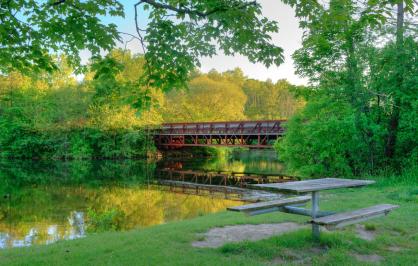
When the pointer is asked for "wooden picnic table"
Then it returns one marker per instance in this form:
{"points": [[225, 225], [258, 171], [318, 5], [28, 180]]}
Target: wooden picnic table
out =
{"points": [[314, 186]]}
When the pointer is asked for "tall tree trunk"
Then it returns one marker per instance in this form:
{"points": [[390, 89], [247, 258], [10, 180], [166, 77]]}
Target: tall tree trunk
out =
{"points": [[359, 101], [394, 119]]}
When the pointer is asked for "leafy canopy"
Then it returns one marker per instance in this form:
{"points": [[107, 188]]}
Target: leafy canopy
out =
{"points": [[30, 30], [361, 60], [181, 32], [177, 35]]}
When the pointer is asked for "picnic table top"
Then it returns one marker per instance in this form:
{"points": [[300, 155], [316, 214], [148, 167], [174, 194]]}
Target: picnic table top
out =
{"points": [[315, 185]]}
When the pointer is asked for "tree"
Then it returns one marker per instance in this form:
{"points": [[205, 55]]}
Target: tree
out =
{"points": [[394, 119], [116, 86], [399, 71], [206, 100], [322, 140], [267, 100], [53, 116], [345, 65], [180, 32], [31, 30]]}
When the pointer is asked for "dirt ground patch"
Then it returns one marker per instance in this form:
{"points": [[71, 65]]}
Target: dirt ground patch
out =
{"points": [[394, 248], [373, 258], [365, 234], [299, 257], [219, 236]]}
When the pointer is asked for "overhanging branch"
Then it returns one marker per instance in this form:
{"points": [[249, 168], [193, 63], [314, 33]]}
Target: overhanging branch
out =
{"points": [[189, 11]]}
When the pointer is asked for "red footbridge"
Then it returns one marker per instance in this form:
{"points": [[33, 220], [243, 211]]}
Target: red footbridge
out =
{"points": [[252, 134]]}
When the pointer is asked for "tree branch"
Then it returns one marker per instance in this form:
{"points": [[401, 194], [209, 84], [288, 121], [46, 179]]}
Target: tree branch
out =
{"points": [[185, 10], [138, 29], [141, 40], [130, 35], [58, 2]]}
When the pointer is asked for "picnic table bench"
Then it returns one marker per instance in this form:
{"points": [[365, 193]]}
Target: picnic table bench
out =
{"points": [[330, 220], [269, 206]]}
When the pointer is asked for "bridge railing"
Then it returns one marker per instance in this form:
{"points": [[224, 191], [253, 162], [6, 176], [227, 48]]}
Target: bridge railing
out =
{"points": [[236, 127]]}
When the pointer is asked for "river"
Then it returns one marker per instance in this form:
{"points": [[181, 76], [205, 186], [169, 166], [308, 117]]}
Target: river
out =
{"points": [[46, 201]]}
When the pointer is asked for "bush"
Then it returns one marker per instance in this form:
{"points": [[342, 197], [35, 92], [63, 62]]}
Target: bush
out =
{"points": [[87, 143], [322, 140], [105, 221]]}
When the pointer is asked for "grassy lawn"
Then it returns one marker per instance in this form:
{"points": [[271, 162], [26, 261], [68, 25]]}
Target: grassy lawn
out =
{"points": [[170, 244]]}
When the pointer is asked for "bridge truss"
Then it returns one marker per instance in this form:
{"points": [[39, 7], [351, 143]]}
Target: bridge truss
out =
{"points": [[253, 134]]}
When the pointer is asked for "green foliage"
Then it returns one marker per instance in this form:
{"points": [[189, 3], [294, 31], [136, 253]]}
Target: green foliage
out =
{"points": [[181, 32], [206, 100], [54, 117], [398, 97], [30, 30], [270, 101], [322, 141], [361, 112], [16, 174], [178, 33], [116, 85], [83, 143], [104, 221], [230, 96], [80, 148]]}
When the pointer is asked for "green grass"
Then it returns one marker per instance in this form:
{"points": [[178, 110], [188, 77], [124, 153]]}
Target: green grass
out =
{"points": [[170, 244]]}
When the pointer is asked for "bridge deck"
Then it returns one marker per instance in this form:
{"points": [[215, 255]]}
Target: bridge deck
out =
{"points": [[256, 134]]}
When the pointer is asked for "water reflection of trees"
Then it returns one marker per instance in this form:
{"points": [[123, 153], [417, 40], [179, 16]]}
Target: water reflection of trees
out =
{"points": [[46, 214], [27, 172], [146, 207], [232, 160], [43, 201]]}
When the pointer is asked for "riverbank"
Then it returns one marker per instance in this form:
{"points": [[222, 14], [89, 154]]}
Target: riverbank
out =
{"points": [[395, 240], [75, 144]]}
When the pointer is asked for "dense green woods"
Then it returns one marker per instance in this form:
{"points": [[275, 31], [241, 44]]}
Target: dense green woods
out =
{"points": [[362, 110], [357, 115], [231, 96], [56, 116], [77, 110]]}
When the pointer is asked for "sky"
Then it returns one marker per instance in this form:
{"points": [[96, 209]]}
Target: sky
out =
{"points": [[288, 37]]}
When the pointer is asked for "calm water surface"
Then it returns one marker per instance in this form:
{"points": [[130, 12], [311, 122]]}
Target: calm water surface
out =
{"points": [[43, 202]]}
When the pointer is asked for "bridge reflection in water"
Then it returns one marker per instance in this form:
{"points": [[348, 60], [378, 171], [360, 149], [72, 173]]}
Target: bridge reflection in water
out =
{"points": [[230, 185], [253, 134], [74, 199]]}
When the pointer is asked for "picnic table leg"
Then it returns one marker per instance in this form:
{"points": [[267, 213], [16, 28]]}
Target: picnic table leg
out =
{"points": [[315, 209]]}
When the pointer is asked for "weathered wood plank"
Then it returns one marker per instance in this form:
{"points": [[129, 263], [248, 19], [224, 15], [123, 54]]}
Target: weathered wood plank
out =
{"points": [[314, 185], [269, 204], [346, 218], [305, 212]]}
